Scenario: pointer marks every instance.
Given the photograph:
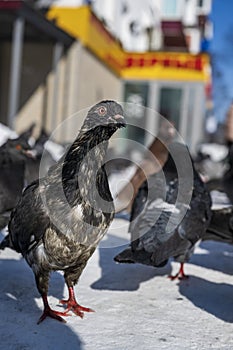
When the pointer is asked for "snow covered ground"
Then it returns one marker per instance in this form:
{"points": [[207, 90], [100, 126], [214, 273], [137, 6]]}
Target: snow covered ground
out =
{"points": [[137, 307], [6, 133]]}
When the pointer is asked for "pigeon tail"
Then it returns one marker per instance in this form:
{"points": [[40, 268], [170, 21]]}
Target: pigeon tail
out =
{"points": [[220, 228], [5, 243], [3, 221], [128, 256], [125, 257]]}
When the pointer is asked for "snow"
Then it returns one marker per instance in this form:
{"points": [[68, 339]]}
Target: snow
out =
{"points": [[54, 149], [137, 307], [219, 200], [117, 180], [216, 151], [6, 133]]}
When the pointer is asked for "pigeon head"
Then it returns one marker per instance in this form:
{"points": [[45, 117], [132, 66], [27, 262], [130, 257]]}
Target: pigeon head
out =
{"points": [[106, 116], [43, 137], [20, 147]]}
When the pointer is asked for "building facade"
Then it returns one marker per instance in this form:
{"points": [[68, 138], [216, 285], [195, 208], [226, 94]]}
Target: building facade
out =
{"points": [[91, 57]]}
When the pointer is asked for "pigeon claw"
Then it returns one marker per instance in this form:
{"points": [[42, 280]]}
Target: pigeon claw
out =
{"points": [[75, 307], [180, 275], [48, 312]]}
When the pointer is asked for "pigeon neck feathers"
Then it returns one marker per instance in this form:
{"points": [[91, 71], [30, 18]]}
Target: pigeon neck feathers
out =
{"points": [[82, 167]]}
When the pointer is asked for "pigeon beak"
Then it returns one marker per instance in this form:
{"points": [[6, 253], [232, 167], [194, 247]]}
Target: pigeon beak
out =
{"points": [[117, 119], [30, 153]]}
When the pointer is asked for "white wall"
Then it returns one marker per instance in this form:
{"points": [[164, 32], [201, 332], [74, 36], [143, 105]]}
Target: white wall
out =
{"points": [[79, 81], [148, 13], [65, 3]]}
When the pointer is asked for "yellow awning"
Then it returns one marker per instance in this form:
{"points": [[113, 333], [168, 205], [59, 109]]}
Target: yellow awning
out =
{"points": [[82, 24]]}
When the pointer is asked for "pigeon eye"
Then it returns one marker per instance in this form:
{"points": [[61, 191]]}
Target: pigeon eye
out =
{"points": [[101, 110], [18, 147]]}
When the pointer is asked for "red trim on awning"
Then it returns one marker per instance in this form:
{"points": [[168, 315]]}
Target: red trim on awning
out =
{"points": [[11, 5], [172, 28]]}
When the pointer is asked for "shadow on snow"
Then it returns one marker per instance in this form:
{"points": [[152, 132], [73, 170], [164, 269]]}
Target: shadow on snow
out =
{"points": [[218, 257], [19, 311], [122, 277], [214, 298]]}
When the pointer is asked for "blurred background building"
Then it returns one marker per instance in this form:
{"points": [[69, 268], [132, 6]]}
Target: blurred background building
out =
{"points": [[58, 57]]}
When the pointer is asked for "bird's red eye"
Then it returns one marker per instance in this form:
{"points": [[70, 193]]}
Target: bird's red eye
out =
{"points": [[102, 110], [18, 147]]}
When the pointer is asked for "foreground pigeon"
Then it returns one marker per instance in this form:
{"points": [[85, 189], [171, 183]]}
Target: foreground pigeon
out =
{"points": [[169, 215], [61, 218]]}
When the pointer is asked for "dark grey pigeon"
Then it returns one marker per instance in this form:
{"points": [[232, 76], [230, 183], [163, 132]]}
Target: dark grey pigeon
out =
{"points": [[220, 228], [13, 156], [60, 219], [169, 215], [227, 180]]}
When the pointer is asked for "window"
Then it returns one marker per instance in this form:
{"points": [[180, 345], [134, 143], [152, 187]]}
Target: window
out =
{"points": [[200, 3], [169, 8], [170, 104], [204, 6], [136, 97]]}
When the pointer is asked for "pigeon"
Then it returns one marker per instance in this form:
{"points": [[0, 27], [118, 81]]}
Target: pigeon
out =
{"points": [[13, 157], [34, 167], [60, 218], [227, 179], [170, 214], [220, 228]]}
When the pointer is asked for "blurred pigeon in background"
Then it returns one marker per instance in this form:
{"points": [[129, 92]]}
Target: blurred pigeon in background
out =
{"points": [[169, 214], [14, 154]]}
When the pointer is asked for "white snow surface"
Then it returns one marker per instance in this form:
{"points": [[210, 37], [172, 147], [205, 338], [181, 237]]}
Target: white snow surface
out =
{"points": [[219, 200], [119, 179], [6, 133], [137, 306], [216, 151], [54, 149]]}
